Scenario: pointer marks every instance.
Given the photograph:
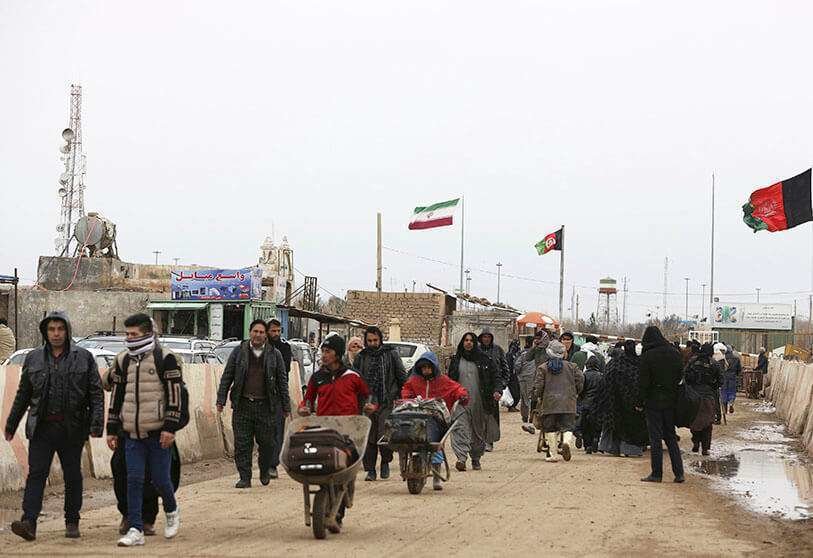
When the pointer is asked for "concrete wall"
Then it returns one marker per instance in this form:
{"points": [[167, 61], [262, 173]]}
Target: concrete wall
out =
{"points": [[207, 436], [790, 389], [501, 325], [89, 311], [57, 273], [420, 315]]}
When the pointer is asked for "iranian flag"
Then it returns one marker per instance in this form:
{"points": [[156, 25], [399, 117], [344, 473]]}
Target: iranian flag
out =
{"points": [[781, 206], [435, 215]]}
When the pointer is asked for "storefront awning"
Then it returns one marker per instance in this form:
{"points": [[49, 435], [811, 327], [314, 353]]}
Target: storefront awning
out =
{"points": [[177, 305]]}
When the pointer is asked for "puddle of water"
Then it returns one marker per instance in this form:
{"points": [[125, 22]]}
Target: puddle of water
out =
{"points": [[767, 481]]}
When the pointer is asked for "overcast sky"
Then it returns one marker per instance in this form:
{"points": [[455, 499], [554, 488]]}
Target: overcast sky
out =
{"points": [[207, 122]]}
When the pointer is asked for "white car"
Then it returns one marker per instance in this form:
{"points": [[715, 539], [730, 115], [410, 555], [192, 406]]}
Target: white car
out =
{"points": [[191, 343], [103, 358], [198, 356], [409, 352]]}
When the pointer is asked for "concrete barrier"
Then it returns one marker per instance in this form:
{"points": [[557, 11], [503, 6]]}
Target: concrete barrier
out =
{"points": [[791, 391], [208, 435]]}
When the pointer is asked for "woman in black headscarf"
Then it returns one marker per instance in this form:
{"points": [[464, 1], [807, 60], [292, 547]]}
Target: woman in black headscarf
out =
{"points": [[705, 376], [480, 419], [623, 424]]}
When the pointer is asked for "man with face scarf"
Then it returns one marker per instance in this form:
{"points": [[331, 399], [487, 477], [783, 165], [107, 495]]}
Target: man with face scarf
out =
{"points": [[480, 420], [381, 367]]}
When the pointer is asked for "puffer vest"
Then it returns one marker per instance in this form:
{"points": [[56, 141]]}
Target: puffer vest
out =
{"points": [[144, 397]]}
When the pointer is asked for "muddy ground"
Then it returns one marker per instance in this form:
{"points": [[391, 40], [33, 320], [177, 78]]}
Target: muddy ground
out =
{"points": [[594, 505]]}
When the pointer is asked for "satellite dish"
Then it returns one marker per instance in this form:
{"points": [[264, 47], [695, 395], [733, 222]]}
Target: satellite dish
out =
{"points": [[67, 134], [64, 178], [62, 192]]}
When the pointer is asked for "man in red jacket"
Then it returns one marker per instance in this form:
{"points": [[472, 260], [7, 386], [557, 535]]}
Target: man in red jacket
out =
{"points": [[427, 382], [335, 390]]}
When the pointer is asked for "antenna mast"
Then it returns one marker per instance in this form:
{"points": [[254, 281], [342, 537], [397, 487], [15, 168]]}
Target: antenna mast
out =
{"points": [[72, 181]]}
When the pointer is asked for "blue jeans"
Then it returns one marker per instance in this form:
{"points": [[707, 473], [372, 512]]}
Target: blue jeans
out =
{"points": [[137, 454]]}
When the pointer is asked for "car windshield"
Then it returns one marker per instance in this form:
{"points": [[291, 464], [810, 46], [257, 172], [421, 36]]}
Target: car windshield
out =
{"points": [[405, 351], [223, 352], [112, 345]]}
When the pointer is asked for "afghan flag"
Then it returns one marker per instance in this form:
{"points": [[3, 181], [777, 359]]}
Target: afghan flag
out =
{"points": [[551, 242], [431, 216], [781, 206]]}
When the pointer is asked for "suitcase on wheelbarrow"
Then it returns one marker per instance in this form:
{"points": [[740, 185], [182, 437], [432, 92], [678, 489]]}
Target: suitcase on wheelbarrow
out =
{"points": [[320, 451], [410, 428]]}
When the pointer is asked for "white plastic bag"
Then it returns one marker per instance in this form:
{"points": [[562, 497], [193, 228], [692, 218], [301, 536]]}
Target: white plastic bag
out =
{"points": [[506, 400]]}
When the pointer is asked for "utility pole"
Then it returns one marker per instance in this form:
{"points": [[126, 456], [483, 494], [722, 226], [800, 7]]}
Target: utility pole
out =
{"points": [[468, 281], [758, 289], [711, 285], [156, 252], [624, 304], [378, 267], [176, 260], [687, 298], [703, 301], [577, 309], [665, 284], [499, 268], [573, 305], [413, 285]]}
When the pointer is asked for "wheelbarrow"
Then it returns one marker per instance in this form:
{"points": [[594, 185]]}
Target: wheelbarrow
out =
{"points": [[329, 491]]}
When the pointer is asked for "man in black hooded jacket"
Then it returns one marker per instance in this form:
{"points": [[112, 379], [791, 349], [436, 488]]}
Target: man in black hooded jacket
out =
{"points": [[661, 367], [381, 367], [61, 389]]}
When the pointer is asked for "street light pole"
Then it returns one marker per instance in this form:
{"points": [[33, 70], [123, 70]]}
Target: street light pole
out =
{"points": [[499, 268], [687, 298], [156, 252], [703, 301], [758, 289]]}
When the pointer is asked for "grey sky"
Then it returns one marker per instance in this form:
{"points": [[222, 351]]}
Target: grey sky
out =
{"points": [[206, 122]]}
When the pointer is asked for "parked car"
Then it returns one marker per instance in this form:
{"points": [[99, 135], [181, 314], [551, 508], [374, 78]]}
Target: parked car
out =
{"points": [[301, 352], [198, 356], [186, 342], [103, 357], [109, 341], [224, 349], [409, 352]]}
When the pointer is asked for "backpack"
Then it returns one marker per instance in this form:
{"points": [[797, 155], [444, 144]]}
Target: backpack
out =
{"points": [[158, 357]]}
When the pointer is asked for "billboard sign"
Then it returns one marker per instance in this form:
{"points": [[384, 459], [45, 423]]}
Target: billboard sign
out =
{"points": [[733, 315], [217, 284]]}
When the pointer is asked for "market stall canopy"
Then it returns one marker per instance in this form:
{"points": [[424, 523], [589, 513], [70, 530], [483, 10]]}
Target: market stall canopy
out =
{"points": [[536, 320]]}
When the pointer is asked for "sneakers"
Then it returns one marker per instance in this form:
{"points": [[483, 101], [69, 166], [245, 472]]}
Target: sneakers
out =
{"points": [[370, 476], [72, 531], [25, 529], [173, 522], [243, 483], [460, 466], [529, 428], [385, 471], [134, 537]]}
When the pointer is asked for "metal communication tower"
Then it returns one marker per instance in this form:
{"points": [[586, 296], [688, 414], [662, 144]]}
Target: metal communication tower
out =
{"points": [[72, 181]]}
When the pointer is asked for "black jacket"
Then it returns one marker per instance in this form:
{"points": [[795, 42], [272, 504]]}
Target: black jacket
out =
{"points": [[704, 375], [661, 368], [762, 363], [593, 385], [234, 377], [284, 349], [392, 377], [84, 400]]}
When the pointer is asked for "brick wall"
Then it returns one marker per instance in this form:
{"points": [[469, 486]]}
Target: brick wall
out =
{"points": [[420, 314]]}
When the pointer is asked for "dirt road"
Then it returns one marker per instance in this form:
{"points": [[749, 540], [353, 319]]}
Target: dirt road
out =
{"points": [[594, 505]]}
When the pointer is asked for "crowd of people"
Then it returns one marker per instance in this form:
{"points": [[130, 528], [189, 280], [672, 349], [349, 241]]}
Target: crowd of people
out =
{"points": [[620, 404]]}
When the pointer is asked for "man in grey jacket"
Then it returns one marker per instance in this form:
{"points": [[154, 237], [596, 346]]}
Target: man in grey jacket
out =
{"points": [[525, 369]]}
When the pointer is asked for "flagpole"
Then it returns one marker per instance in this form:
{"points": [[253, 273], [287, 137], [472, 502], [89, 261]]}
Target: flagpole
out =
{"points": [[711, 290], [561, 276], [462, 236]]}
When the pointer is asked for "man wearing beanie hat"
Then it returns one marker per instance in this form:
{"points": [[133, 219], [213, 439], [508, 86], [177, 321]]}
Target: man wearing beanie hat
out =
{"points": [[335, 390], [556, 389]]}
